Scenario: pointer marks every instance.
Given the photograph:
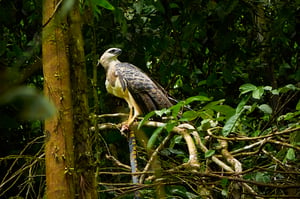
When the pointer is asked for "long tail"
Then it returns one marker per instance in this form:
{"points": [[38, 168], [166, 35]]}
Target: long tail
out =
{"points": [[133, 161]]}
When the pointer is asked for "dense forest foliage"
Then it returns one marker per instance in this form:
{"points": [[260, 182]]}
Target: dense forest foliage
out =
{"points": [[233, 66]]}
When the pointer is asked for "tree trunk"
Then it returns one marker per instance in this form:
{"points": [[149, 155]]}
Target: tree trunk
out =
{"points": [[263, 23], [59, 129], [85, 173]]}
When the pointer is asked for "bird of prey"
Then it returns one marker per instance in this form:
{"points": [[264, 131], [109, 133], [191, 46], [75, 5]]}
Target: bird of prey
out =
{"points": [[130, 83]]}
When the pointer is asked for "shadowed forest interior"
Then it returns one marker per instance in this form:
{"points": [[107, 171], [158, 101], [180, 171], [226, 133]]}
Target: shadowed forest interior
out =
{"points": [[232, 67]]}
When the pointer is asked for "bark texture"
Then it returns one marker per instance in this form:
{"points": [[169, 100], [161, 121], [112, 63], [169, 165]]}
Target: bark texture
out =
{"points": [[59, 129], [85, 172]]}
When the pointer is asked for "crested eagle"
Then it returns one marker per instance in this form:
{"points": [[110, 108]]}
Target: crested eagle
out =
{"points": [[130, 83]]}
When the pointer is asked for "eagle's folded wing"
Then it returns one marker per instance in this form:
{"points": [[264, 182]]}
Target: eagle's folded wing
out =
{"points": [[147, 94], [126, 81]]}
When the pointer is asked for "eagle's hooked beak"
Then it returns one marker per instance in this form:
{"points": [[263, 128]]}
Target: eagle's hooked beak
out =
{"points": [[110, 54]]}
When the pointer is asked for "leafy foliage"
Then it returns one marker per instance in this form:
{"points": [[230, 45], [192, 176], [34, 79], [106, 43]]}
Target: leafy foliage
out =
{"points": [[235, 64]]}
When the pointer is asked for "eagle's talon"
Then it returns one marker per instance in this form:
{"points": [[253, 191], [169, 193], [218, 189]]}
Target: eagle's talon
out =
{"points": [[124, 128]]}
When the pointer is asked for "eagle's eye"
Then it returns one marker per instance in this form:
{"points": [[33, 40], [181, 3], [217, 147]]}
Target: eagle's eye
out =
{"points": [[115, 51]]}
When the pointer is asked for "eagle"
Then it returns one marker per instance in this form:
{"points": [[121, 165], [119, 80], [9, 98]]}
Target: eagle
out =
{"points": [[126, 81]]}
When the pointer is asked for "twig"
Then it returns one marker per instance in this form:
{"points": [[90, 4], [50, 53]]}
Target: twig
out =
{"points": [[21, 153], [153, 155], [124, 173], [193, 159], [53, 13], [234, 178], [235, 163], [182, 130], [275, 159], [112, 115], [261, 142], [229, 158], [117, 162], [104, 126], [18, 173], [285, 131], [284, 144], [202, 147]]}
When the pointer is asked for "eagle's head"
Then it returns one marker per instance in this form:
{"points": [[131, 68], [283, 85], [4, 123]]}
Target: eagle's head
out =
{"points": [[109, 56]]}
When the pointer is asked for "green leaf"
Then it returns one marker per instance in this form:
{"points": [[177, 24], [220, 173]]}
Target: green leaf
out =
{"points": [[162, 112], [210, 105], [176, 109], [138, 5], [154, 136], [189, 116], [245, 88], [174, 5], [224, 109], [176, 189], [176, 152], [242, 103], [209, 153], [290, 155], [262, 177], [170, 126], [266, 109], [298, 106], [224, 182], [205, 124], [275, 92], [207, 114], [96, 6], [287, 88], [257, 93], [289, 116], [176, 140], [291, 87], [146, 118], [197, 98], [29, 103], [267, 88], [231, 122], [105, 4]]}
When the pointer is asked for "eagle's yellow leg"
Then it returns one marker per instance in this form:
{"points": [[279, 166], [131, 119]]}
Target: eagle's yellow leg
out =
{"points": [[134, 109], [130, 117]]}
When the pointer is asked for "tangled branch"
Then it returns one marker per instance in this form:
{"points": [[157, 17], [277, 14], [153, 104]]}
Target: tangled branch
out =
{"points": [[225, 163]]}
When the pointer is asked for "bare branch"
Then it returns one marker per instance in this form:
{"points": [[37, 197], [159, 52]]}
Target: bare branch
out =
{"points": [[117, 162], [272, 134]]}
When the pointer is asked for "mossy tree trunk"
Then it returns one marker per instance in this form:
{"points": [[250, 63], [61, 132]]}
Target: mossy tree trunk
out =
{"points": [[57, 86], [85, 172]]}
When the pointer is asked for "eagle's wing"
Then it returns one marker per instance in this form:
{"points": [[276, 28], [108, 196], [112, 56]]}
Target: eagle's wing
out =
{"points": [[147, 93]]}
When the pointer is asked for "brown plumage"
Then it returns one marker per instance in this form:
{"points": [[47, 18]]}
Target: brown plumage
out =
{"points": [[126, 81]]}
